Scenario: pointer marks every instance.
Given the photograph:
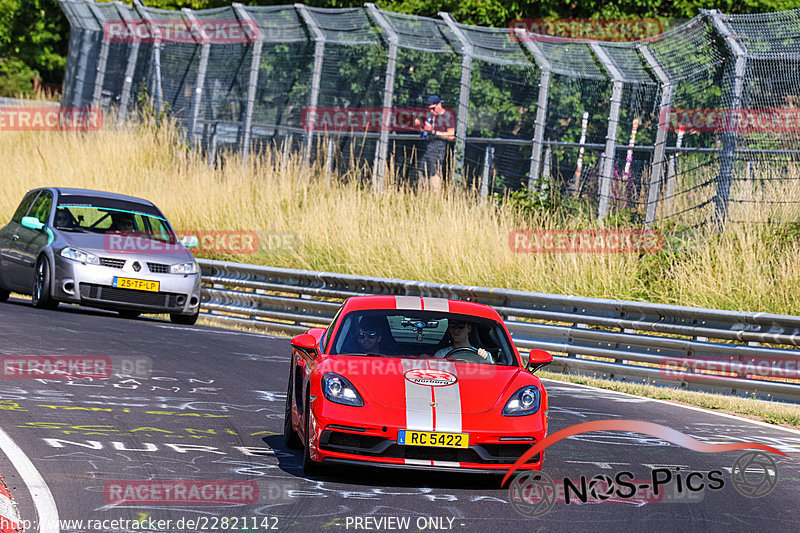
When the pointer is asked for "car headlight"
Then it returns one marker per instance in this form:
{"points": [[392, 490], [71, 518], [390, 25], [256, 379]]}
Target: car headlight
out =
{"points": [[338, 390], [79, 255], [523, 402], [189, 267]]}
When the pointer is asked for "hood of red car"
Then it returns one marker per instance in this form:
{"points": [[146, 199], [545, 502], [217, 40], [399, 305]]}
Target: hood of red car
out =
{"points": [[413, 384]]}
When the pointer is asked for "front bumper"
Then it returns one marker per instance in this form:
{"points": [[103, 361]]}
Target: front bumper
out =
{"points": [[349, 437], [92, 285], [348, 447]]}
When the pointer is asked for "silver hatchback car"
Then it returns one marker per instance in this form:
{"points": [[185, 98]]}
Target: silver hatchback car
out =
{"points": [[98, 249]]}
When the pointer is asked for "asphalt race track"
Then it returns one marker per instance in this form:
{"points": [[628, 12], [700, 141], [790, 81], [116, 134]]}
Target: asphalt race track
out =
{"points": [[199, 403]]}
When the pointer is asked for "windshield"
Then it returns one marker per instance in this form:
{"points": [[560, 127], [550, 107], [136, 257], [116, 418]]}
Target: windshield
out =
{"points": [[424, 334], [97, 215]]}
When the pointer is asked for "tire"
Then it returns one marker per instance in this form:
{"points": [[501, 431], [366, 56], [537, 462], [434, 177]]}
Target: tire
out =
{"points": [[40, 295], [310, 468], [129, 315], [185, 320], [290, 438], [4, 294]]}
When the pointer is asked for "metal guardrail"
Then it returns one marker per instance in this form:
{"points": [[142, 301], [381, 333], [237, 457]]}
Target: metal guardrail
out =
{"points": [[19, 102], [620, 332]]}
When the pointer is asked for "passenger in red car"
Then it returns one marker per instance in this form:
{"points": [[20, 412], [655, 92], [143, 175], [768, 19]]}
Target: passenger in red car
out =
{"points": [[459, 332]]}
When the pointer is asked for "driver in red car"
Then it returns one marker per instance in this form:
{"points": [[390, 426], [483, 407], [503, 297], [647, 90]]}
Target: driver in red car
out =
{"points": [[370, 335], [458, 333]]}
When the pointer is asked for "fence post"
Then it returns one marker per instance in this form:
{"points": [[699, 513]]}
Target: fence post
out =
{"points": [[611, 136], [729, 138], [487, 168], [130, 69], [545, 69], [201, 77], [83, 64], [747, 189], [669, 187], [252, 82], [672, 173], [102, 60], [657, 166], [316, 78], [547, 166], [157, 90], [575, 184], [287, 143], [69, 70], [329, 161], [379, 166], [463, 95]]}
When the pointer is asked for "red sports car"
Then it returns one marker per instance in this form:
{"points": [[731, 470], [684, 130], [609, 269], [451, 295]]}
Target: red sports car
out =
{"points": [[401, 381]]}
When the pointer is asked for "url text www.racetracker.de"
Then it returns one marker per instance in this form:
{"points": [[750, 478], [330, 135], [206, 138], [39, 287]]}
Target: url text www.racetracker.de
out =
{"points": [[200, 523]]}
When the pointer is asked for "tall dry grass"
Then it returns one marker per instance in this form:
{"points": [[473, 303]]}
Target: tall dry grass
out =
{"points": [[344, 226]]}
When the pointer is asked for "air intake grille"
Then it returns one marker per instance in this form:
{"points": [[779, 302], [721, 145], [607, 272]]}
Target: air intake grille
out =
{"points": [[163, 300], [158, 268], [111, 262]]}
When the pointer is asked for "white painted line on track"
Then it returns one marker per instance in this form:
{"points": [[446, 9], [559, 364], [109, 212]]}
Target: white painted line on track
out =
{"points": [[227, 332], [40, 492], [691, 407]]}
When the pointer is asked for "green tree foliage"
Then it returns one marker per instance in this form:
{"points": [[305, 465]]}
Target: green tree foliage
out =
{"points": [[33, 39]]}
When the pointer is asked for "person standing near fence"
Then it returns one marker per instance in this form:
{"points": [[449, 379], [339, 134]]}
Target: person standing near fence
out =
{"points": [[437, 131]]}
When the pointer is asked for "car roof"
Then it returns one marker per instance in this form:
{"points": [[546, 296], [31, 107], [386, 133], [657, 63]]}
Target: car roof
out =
{"points": [[362, 303], [63, 191]]}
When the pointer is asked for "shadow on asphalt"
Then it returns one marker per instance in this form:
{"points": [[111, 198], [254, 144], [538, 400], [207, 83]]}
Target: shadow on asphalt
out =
{"points": [[77, 309], [291, 462]]}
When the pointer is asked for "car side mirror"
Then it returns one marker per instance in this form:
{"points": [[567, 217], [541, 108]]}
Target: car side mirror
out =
{"points": [[32, 223], [537, 359], [190, 241], [306, 343]]}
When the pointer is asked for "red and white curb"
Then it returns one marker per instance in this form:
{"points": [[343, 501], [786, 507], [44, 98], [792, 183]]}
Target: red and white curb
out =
{"points": [[9, 514]]}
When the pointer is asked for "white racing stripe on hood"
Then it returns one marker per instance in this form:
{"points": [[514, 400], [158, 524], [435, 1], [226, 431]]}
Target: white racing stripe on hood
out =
{"points": [[448, 400], [408, 302], [419, 412]]}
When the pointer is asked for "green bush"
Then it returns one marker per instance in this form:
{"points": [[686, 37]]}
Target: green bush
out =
{"points": [[16, 78]]}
